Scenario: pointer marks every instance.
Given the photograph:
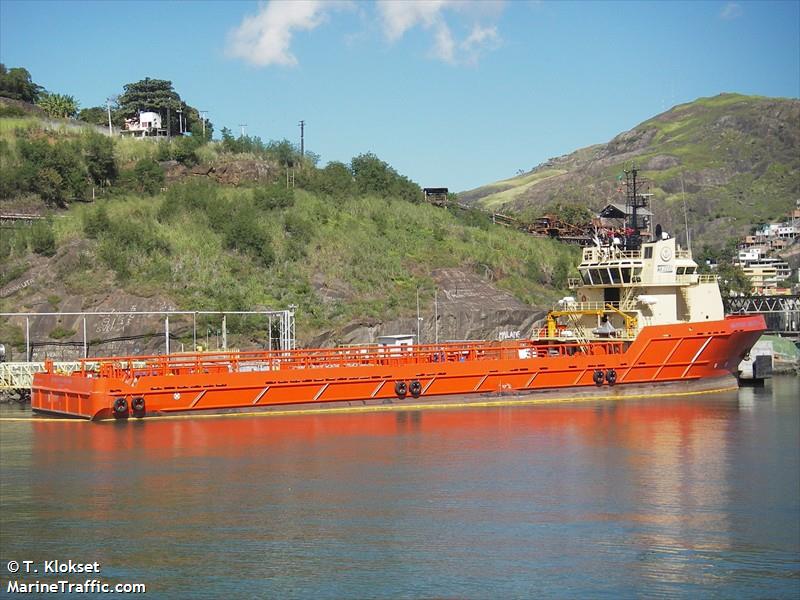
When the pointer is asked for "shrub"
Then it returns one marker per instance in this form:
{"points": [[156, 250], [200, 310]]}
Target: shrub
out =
{"points": [[188, 196], [56, 172], [298, 227], [7, 110], [60, 333], [43, 240], [184, 150], [273, 196], [245, 234], [335, 181], [125, 239], [374, 176], [99, 156], [96, 222], [149, 176]]}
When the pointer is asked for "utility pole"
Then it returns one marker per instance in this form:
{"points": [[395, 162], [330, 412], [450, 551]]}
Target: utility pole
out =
{"points": [[242, 126], [110, 129], [436, 314], [203, 119], [180, 120], [169, 125], [419, 319], [686, 217], [302, 142]]}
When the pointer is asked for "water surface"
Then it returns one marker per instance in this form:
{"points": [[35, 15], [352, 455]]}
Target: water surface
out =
{"points": [[685, 497]]}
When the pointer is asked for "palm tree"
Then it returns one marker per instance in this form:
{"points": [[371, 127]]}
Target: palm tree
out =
{"points": [[58, 105]]}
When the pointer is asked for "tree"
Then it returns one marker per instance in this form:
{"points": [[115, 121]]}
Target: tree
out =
{"points": [[99, 157], [374, 176], [197, 130], [733, 281], [96, 115], [16, 83], [335, 180], [158, 95], [284, 152], [58, 105], [54, 171]]}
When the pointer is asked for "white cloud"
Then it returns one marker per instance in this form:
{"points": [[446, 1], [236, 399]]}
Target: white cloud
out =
{"points": [[265, 38], [479, 39], [732, 10], [444, 47], [398, 17]]}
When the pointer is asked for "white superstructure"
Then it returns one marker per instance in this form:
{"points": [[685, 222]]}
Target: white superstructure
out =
{"points": [[621, 291]]}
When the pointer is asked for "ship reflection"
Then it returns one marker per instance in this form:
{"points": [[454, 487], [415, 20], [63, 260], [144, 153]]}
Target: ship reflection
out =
{"points": [[655, 471]]}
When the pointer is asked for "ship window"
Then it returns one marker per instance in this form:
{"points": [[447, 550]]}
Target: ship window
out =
{"points": [[690, 270], [586, 278], [604, 276], [681, 270], [648, 252], [615, 275], [626, 274]]}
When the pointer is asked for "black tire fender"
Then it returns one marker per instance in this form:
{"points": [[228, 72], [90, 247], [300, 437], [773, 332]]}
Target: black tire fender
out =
{"points": [[137, 405], [120, 407], [401, 389], [611, 376], [598, 377], [415, 388]]}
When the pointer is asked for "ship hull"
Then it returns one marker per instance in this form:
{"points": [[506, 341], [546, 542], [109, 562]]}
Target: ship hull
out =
{"points": [[687, 352]]}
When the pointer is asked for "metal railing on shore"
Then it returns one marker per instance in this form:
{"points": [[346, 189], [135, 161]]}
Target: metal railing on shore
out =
{"points": [[17, 375]]}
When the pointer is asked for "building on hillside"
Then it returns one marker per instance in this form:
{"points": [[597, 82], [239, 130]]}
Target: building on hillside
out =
{"points": [[437, 196], [767, 275], [148, 124]]}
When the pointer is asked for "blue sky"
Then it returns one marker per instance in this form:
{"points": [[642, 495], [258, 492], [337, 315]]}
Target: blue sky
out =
{"points": [[451, 93]]}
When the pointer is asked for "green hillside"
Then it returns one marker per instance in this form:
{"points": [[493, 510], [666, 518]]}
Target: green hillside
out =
{"points": [[733, 158], [342, 251]]}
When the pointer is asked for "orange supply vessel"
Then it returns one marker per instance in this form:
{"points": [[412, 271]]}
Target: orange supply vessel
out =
{"points": [[663, 326], [641, 314]]}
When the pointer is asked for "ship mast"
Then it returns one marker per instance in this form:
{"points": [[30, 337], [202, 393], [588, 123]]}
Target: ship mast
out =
{"points": [[634, 200]]}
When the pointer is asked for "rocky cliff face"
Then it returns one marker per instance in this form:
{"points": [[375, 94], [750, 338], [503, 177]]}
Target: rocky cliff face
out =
{"points": [[733, 159], [232, 172], [467, 307]]}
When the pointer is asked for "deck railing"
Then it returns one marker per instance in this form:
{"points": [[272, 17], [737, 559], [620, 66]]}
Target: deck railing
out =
{"points": [[132, 367]]}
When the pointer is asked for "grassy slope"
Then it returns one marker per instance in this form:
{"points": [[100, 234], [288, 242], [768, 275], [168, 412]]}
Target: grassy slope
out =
{"points": [[737, 156], [373, 253], [339, 261]]}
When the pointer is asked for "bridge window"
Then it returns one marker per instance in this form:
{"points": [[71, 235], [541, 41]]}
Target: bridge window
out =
{"points": [[626, 274], [648, 252]]}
